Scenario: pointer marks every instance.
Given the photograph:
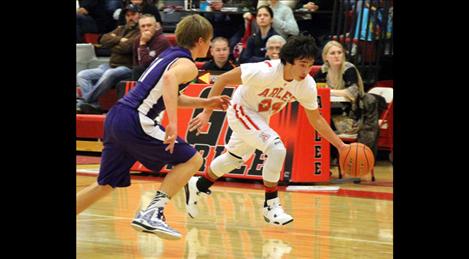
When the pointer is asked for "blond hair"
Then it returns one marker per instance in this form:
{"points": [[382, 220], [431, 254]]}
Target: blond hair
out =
{"points": [[190, 29], [343, 66]]}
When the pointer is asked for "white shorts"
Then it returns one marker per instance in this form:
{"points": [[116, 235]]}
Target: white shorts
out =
{"points": [[251, 131]]}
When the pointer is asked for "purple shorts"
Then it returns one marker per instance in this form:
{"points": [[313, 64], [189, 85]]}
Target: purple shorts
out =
{"points": [[125, 142]]}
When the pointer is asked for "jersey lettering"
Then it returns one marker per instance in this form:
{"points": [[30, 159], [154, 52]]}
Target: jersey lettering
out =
{"points": [[264, 93]]}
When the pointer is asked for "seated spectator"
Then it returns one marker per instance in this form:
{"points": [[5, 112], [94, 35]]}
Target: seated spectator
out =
{"points": [[148, 45], [224, 24], [284, 21], [95, 82], [308, 5], [255, 48], [145, 8], [317, 25], [273, 45], [220, 52], [92, 17], [359, 116]]}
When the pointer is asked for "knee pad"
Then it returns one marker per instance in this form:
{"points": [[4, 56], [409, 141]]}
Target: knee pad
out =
{"points": [[225, 163], [276, 153]]}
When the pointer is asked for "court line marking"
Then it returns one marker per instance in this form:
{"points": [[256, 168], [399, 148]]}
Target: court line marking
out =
{"points": [[101, 217], [88, 171], [105, 217]]}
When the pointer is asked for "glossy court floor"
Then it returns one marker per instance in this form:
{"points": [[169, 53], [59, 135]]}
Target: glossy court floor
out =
{"points": [[354, 222]]}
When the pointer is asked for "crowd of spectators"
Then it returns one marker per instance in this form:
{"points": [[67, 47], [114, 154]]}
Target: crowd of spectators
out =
{"points": [[133, 32]]}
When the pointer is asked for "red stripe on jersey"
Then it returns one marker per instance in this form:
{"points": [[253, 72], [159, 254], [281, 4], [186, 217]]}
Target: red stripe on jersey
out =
{"points": [[239, 118], [247, 117], [268, 63]]}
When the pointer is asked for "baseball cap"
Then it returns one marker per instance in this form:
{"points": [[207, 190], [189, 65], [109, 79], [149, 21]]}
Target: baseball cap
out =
{"points": [[132, 8]]}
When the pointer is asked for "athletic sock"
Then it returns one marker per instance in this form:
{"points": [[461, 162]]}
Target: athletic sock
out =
{"points": [[270, 193], [160, 200], [204, 183]]}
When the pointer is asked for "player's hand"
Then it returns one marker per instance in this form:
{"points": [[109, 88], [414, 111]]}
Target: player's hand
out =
{"points": [[343, 148], [218, 102], [170, 137], [199, 122]]}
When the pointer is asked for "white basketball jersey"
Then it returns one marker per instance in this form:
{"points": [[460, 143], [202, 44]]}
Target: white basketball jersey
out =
{"points": [[264, 90]]}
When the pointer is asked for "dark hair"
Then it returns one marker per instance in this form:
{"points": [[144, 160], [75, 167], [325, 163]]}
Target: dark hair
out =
{"points": [[268, 10], [298, 47]]}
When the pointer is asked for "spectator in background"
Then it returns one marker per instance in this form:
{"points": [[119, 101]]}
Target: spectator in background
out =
{"points": [[359, 116], [284, 21], [255, 49], [92, 17], [148, 45], [306, 21], [273, 46], [145, 8], [317, 25], [308, 5], [113, 5], [94, 82], [220, 51], [224, 24]]}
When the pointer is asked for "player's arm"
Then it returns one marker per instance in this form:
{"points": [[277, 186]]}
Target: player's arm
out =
{"points": [[321, 126], [182, 71], [232, 77], [215, 102]]}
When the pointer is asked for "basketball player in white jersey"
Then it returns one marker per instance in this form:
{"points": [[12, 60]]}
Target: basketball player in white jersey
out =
{"points": [[264, 89]]}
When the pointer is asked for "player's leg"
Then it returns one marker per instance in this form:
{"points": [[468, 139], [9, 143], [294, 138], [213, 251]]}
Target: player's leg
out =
{"points": [[152, 218], [113, 171], [267, 140], [273, 211], [198, 187], [90, 195], [149, 149]]}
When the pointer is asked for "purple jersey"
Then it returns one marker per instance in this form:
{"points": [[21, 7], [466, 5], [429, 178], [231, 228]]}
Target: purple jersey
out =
{"points": [[147, 96], [131, 133]]}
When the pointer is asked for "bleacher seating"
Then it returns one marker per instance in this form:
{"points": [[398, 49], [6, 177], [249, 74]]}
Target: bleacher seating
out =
{"points": [[171, 37], [314, 70], [91, 38]]}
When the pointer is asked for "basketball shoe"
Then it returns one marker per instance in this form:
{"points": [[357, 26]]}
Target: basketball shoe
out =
{"points": [[193, 195], [274, 214], [153, 221]]}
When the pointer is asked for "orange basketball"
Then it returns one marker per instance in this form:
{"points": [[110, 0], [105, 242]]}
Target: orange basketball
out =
{"points": [[356, 161]]}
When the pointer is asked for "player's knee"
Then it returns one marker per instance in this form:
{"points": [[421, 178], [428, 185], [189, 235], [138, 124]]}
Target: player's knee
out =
{"points": [[276, 149], [225, 163], [276, 153], [197, 160]]}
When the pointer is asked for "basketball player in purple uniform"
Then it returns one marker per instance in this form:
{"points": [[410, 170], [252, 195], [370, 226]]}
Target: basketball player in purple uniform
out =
{"points": [[131, 132]]}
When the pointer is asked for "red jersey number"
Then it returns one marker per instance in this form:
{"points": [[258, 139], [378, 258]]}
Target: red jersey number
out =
{"points": [[266, 105]]}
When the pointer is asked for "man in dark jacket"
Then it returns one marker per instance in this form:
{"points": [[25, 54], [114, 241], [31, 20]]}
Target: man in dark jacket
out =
{"points": [[148, 45], [96, 81], [146, 8], [220, 51]]}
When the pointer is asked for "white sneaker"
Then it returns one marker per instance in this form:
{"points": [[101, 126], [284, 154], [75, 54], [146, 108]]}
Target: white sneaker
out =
{"points": [[274, 213], [153, 221], [193, 195]]}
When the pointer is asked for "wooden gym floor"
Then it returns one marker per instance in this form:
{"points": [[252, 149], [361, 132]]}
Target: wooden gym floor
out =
{"points": [[355, 222]]}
